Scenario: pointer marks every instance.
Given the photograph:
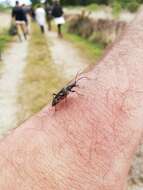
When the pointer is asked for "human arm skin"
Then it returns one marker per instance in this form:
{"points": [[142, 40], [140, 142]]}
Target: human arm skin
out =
{"points": [[89, 142]]}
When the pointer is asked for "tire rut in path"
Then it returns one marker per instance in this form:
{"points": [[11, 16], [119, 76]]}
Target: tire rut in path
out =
{"points": [[11, 75], [66, 57]]}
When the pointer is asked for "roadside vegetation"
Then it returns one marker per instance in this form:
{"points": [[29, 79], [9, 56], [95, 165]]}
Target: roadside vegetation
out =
{"points": [[92, 51], [41, 78], [4, 8], [91, 7], [116, 5], [5, 38], [92, 36]]}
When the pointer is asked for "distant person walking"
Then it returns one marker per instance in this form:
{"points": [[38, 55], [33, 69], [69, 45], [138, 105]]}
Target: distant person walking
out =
{"points": [[41, 17], [18, 15], [26, 17], [57, 13], [49, 17], [32, 14]]}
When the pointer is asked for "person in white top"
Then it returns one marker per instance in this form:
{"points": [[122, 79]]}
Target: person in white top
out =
{"points": [[41, 17]]}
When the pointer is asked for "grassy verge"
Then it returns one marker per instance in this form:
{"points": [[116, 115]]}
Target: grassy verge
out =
{"points": [[41, 78], [5, 38], [4, 8], [94, 7], [91, 7], [93, 51], [116, 9], [70, 7]]}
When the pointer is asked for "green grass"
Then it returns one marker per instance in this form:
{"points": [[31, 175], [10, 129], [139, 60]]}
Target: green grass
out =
{"points": [[4, 9], [116, 9], [93, 7], [92, 51], [74, 7], [5, 38]]}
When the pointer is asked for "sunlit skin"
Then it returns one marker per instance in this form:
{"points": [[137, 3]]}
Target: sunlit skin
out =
{"points": [[89, 142]]}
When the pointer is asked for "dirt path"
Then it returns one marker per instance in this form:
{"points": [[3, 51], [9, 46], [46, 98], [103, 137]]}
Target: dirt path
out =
{"points": [[12, 70], [65, 55]]}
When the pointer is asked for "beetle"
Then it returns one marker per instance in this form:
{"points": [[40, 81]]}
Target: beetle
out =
{"points": [[64, 92]]}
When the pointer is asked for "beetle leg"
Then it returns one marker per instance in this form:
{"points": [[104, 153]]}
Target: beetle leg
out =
{"points": [[72, 90], [54, 94], [77, 93], [55, 108], [66, 99]]}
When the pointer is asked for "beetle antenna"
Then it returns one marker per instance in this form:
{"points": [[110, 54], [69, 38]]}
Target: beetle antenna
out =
{"points": [[76, 76], [82, 78]]}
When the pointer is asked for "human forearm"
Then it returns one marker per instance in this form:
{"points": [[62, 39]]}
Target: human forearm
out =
{"points": [[86, 143]]}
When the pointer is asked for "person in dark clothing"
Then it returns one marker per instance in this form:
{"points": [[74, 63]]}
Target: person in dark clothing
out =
{"points": [[32, 14], [49, 17], [18, 15], [57, 13], [26, 18]]}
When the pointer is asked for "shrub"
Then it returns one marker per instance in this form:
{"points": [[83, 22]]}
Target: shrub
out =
{"points": [[3, 7], [116, 8], [133, 6], [98, 37], [80, 25], [101, 31], [93, 7]]}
